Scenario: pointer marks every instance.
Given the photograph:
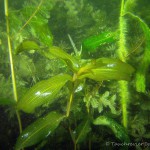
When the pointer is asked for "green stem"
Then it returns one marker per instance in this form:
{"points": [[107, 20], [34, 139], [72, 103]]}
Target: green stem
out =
{"points": [[19, 120], [69, 104], [72, 137], [122, 53], [124, 94], [10, 52], [11, 62], [71, 96]]}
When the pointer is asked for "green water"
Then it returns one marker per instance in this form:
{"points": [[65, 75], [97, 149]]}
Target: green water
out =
{"points": [[74, 74]]}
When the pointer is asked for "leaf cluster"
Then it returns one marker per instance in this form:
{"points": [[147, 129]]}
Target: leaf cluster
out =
{"points": [[52, 80]]}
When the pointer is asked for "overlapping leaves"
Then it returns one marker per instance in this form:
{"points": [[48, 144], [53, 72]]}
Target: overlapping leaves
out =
{"points": [[71, 62], [106, 69]]}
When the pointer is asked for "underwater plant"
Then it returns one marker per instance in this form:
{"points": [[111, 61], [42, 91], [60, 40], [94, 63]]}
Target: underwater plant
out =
{"points": [[45, 92], [75, 96]]}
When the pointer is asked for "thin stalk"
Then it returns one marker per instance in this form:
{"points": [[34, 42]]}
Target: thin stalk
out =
{"points": [[69, 104], [11, 62], [71, 96], [10, 52], [122, 53], [27, 22], [19, 120]]}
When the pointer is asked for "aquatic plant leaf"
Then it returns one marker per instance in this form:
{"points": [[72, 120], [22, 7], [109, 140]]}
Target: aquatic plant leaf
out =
{"points": [[106, 100], [38, 130], [27, 45], [43, 92], [145, 61], [93, 42], [106, 69], [71, 62], [130, 5], [43, 33], [118, 130], [82, 130], [7, 101]]}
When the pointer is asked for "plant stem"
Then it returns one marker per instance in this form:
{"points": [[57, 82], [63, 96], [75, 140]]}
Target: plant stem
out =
{"points": [[69, 104], [124, 94], [11, 63], [19, 120], [122, 53], [10, 52], [71, 95]]}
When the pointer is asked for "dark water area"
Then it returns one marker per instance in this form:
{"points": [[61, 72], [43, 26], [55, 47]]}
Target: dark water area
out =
{"points": [[74, 75]]}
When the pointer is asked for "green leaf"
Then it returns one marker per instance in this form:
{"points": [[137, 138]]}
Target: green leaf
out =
{"points": [[118, 130], [7, 101], [106, 69], [93, 42], [71, 62], [144, 64], [42, 92], [27, 45], [39, 130], [44, 34], [82, 130]]}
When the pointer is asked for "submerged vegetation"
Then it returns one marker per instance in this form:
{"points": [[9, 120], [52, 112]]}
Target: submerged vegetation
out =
{"points": [[76, 76]]}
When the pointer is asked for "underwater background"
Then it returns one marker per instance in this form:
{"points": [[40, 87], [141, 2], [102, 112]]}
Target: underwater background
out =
{"points": [[74, 74]]}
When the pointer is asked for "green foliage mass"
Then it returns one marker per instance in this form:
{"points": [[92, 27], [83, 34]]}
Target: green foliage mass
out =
{"points": [[69, 88]]}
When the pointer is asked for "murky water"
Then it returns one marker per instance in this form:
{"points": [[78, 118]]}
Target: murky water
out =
{"points": [[74, 74]]}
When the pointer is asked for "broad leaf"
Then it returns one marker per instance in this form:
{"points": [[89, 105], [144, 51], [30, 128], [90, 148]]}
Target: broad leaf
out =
{"points": [[27, 45], [71, 62], [106, 69], [82, 130], [39, 130], [93, 42], [118, 130], [42, 92], [31, 45]]}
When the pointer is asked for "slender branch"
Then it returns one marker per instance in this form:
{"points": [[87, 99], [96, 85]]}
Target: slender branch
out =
{"points": [[71, 96], [27, 22], [136, 48], [74, 142], [10, 52], [19, 120], [69, 104], [11, 63], [122, 53]]}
